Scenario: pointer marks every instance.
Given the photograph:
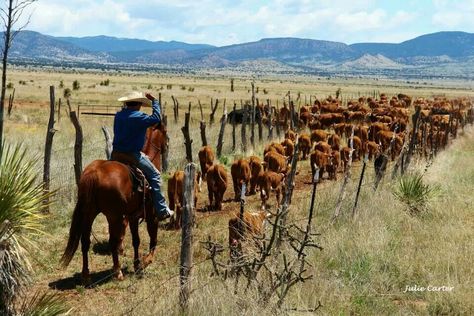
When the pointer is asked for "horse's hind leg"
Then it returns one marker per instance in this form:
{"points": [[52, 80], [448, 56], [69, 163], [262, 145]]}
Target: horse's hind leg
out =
{"points": [[136, 243], [152, 227], [85, 245], [117, 225]]}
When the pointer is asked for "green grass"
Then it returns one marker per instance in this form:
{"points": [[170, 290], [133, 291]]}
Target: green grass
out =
{"points": [[365, 264]]}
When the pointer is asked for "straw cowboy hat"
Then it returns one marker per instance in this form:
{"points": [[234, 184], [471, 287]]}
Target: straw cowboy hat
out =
{"points": [[135, 97]]}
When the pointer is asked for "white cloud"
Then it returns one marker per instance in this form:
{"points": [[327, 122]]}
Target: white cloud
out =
{"points": [[233, 21]]}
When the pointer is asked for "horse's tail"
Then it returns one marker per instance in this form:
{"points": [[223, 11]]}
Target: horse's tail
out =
{"points": [[84, 200]]}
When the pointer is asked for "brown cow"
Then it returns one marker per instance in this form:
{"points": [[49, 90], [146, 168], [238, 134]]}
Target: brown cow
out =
{"points": [[216, 186], [358, 148], [176, 196], [270, 181], [275, 162], [318, 135], [253, 227], [305, 144], [206, 159], [334, 141], [373, 149], [274, 147], [289, 148], [256, 169], [290, 135], [345, 153], [306, 118], [240, 171], [323, 147], [333, 165], [321, 160]]}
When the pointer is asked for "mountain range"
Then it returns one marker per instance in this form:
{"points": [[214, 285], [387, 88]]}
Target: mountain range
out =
{"points": [[443, 54]]}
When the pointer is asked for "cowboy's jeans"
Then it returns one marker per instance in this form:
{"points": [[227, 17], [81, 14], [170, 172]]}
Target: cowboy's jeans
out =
{"points": [[154, 179]]}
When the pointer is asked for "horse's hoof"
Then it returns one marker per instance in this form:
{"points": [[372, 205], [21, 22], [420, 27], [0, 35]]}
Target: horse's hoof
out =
{"points": [[119, 275], [86, 279]]}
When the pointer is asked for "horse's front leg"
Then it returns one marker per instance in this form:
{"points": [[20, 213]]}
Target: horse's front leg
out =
{"points": [[152, 227], [136, 243], [117, 225]]}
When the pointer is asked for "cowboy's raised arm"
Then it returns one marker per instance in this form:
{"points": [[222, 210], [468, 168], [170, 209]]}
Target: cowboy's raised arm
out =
{"points": [[155, 116]]}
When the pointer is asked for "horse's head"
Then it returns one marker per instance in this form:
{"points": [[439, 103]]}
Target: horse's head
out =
{"points": [[156, 143]]}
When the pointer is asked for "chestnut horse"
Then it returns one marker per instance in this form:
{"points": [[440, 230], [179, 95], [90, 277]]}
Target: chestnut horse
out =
{"points": [[106, 187]]}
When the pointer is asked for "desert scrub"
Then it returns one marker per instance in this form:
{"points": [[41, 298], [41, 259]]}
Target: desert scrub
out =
{"points": [[412, 191]]}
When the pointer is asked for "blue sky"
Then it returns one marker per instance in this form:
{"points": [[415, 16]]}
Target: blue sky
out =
{"points": [[227, 22]]}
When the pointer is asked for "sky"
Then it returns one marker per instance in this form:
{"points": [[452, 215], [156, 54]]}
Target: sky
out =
{"points": [[225, 22]]}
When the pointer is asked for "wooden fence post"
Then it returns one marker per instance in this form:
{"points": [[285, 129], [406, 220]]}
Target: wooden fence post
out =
{"points": [[220, 140], [277, 119], [269, 123], [233, 127], [175, 108], [10, 102], [243, 132], [202, 126], [413, 138], [213, 111], [287, 195], [108, 142], [259, 123], [187, 139], [77, 146], [252, 118], [347, 175], [366, 157], [186, 258], [59, 110], [48, 148], [232, 85]]}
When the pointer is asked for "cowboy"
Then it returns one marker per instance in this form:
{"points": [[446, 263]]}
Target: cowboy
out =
{"points": [[130, 127]]}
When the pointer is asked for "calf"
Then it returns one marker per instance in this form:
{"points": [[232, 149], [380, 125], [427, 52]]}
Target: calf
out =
{"points": [[290, 135], [305, 145], [289, 148], [318, 135], [270, 181], [333, 165], [216, 186], [240, 171], [176, 196], [345, 154], [206, 159], [256, 169], [321, 160], [276, 162], [274, 147], [373, 149], [335, 142], [252, 227]]}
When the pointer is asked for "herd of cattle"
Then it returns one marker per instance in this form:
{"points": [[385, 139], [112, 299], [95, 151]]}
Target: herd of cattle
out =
{"points": [[323, 131]]}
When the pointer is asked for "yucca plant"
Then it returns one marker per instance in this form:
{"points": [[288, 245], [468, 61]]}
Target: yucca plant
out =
{"points": [[414, 193], [21, 201]]}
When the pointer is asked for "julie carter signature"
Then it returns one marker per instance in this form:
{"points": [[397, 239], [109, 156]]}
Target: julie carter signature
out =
{"points": [[429, 288]]}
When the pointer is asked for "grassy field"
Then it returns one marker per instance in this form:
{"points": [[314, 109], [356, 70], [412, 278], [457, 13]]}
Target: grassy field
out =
{"points": [[365, 265]]}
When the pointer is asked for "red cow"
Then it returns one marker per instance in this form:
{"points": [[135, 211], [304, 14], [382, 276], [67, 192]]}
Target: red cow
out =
{"points": [[240, 171], [216, 186], [256, 169], [175, 195], [305, 144], [268, 182], [206, 159]]}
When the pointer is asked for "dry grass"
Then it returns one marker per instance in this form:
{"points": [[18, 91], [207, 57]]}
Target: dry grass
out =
{"points": [[365, 265]]}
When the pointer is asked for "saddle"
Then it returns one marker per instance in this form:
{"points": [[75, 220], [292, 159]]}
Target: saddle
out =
{"points": [[136, 175]]}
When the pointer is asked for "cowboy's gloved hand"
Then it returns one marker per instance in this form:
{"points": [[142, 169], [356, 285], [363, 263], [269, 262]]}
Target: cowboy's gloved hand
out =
{"points": [[149, 96]]}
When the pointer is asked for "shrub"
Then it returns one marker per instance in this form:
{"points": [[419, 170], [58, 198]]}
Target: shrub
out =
{"points": [[61, 84], [67, 93], [76, 85], [414, 193], [150, 87], [106, 82], [191, 89], [10, 85], [169, 86]]}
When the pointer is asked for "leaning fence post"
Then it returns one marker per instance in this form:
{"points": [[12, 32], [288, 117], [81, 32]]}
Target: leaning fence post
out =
{"points": [[202, 126], [252, 118], [360, 184], [269, 123], [347, 175], [187, 139], [186, 258], [108, 142], [77, 146], [220, 140], [48, 148]]}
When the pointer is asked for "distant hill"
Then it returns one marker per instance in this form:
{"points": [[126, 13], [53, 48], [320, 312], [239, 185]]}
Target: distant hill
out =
{"points": [[427, 55], [113, 44]]}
